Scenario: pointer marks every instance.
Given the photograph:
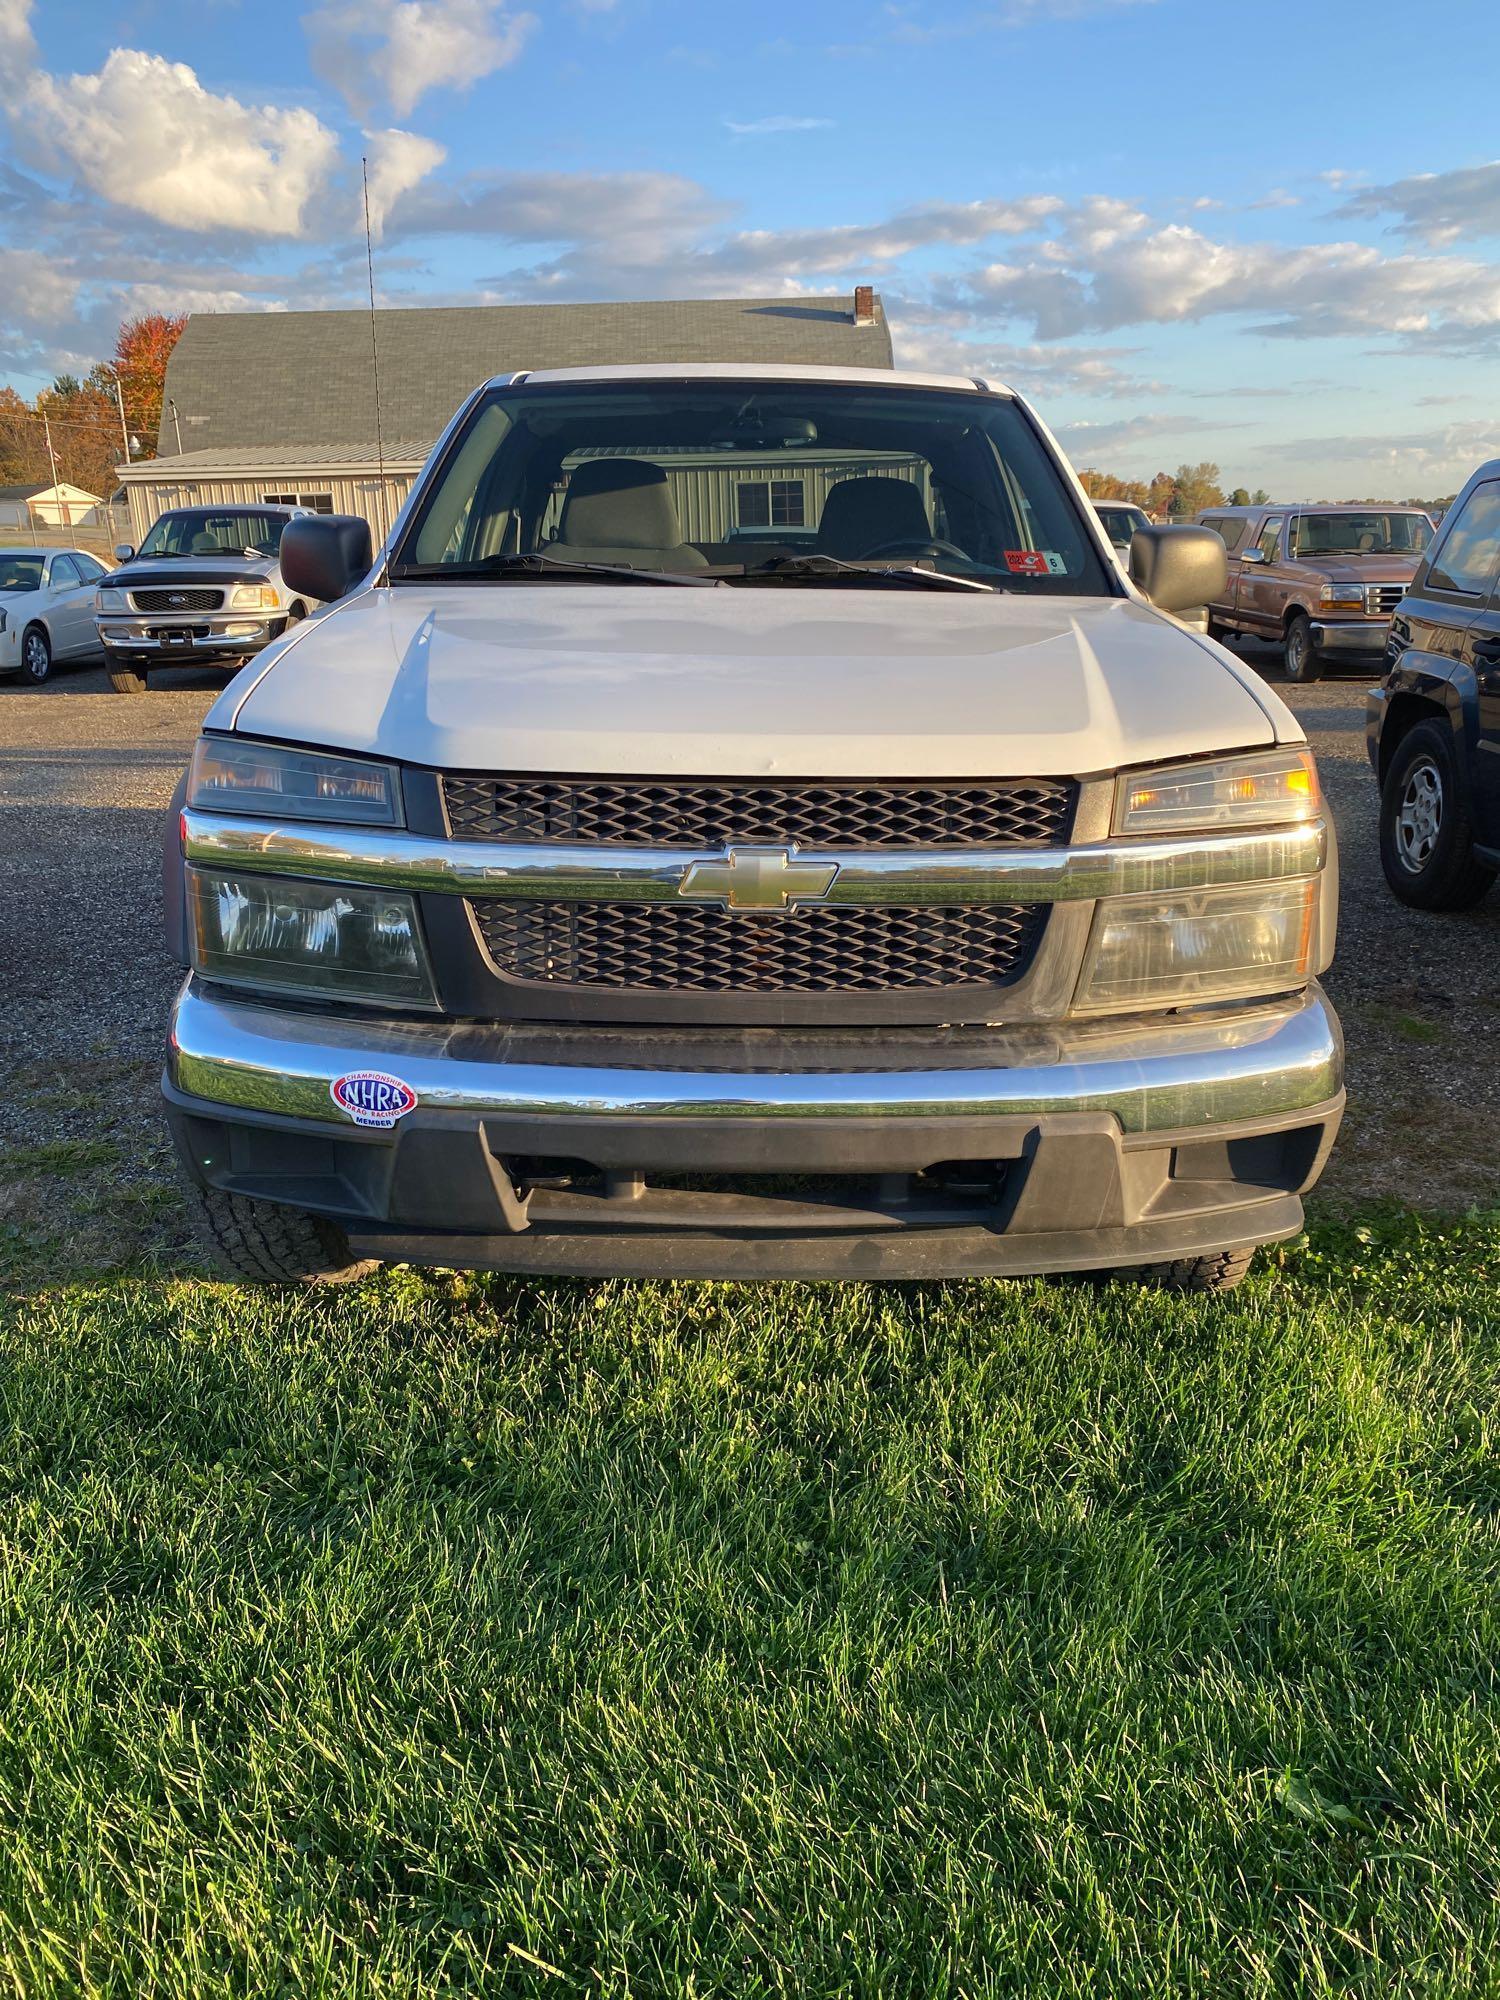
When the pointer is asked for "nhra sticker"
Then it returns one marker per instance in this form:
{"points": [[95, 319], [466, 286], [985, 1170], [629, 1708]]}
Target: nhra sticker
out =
{"points": [[1035, 562], [372, 1098]]}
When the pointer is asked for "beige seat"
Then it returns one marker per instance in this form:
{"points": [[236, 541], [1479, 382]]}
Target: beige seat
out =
{"points": [[863, 515], [619, 510]]}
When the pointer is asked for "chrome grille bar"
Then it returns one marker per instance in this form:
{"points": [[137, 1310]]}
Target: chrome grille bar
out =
{"points": [[393, 859]]}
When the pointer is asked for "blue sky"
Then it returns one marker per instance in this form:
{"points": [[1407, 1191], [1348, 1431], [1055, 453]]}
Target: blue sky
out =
{"points": [[1265, 236]]}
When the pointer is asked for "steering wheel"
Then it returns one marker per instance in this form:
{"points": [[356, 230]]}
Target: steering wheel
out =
{"points": [[914, 545]]}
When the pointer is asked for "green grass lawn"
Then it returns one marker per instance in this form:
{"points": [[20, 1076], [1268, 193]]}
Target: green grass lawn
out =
{"points": [[469, 1636]]}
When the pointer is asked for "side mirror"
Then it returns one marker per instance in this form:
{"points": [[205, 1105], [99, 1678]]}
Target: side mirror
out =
{"points": [[1179, 568], [1253, 555], [124, 552], [325, 555]]}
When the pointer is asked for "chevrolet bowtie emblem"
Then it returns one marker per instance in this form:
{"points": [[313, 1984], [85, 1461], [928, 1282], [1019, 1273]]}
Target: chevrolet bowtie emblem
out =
{"points": [[758, 878]]}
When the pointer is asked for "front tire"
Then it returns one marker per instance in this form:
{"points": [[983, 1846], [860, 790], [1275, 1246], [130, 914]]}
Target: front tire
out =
{"points": [[1219, 1273], [1303, 662], [36, 655], [266, 1244], [127, 680], [1426, 834]]}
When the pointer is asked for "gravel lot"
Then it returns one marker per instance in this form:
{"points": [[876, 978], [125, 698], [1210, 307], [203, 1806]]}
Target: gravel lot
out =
{"points": [[85, 777]]}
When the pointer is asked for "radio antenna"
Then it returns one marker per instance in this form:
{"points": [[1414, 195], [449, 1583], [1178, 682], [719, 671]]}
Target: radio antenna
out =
{"points": [[364, 168]]}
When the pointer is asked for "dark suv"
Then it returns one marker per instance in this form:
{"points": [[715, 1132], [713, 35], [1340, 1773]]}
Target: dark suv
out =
{"points": [[1433, 724]]}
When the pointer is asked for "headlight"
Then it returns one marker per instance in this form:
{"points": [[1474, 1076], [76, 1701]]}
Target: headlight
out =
{"points": [[1347, 595], [252, 597], [323, 939], [1271, 788], [233, 775], [1219, 944]]}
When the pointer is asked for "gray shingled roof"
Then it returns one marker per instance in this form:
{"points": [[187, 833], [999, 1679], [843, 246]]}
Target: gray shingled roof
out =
{"points": [[254, 381]]}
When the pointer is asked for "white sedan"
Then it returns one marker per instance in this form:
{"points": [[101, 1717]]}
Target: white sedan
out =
{"points": [[47, 610]]}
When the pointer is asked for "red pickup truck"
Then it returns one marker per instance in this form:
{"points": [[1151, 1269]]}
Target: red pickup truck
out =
{"points": [[1321, 581]]}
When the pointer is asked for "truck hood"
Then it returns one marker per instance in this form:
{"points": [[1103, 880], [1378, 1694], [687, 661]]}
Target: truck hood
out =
{"points": [[795, 682], [1361, 569], [173, 572]]}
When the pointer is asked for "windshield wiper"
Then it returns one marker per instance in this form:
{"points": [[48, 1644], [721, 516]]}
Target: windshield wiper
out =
{"points": [[538, 563], [902, 574]]}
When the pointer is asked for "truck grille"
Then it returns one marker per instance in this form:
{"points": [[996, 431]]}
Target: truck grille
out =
{"points": [[661, 812], [687, 948], [1381, 599], [177, 600]]}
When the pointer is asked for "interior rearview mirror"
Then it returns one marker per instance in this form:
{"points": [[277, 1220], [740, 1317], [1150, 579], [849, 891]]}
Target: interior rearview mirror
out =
{"points": [[1179, 568], [325, 555]]}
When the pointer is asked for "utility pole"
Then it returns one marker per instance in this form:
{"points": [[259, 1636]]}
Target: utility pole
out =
{"points": [[124, 427], [52, 461]]}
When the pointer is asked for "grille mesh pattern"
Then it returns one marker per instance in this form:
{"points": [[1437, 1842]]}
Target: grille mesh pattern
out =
{"points": [[702, 813], [177, 600], [828, 948]]}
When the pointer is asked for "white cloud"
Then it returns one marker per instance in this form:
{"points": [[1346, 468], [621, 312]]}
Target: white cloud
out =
{"points": [[396, 51], [1107, 268], [1408, 462], [1086, 441], [631, 219], [17, 43], [398, 161], [145, 133], [1045, 370], [1437, 208], [759, 128]]}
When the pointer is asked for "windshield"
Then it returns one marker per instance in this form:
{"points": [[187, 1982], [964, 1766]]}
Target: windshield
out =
{"points": [[1379, 533], [207, 531], [1120, 523], [781, 483], [20, 572]]}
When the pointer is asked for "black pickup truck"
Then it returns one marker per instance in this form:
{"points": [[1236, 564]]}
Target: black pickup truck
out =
{"points": [[1433, 724]]}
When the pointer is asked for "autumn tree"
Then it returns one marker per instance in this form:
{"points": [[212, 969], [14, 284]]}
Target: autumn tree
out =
{"points": [[143, 348], [1196, 487], [23, 455], [84, 423]]}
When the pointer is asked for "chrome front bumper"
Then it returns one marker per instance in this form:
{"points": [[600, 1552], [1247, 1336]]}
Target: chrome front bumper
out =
{"points": [[1150, 1075], [1365, 636], [141, 637], [936, 1153]]}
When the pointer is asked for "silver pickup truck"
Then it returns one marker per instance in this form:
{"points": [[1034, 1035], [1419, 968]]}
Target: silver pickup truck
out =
{"points": [[590, 890], [203, 589]]}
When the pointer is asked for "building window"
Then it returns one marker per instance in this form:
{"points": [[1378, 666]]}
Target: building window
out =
{"points": [[774, 503], [320, 503]]}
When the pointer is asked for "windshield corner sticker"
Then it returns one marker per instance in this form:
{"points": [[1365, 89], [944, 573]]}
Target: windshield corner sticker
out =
{"points": [[372, 1098], [1035, 562]]}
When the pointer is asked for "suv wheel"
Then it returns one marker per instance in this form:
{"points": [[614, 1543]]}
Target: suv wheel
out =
{"points": [[127, 680], [1426, 835], [269, 1244], [1303, 662], [36, 655]]}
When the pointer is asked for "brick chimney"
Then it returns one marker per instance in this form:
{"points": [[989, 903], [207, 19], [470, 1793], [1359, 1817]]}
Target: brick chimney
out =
{"points": [[864, 305]]}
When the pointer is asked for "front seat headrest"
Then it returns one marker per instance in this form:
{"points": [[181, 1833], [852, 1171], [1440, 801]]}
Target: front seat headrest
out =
{"points": [[862, 515], [620, 503]]}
